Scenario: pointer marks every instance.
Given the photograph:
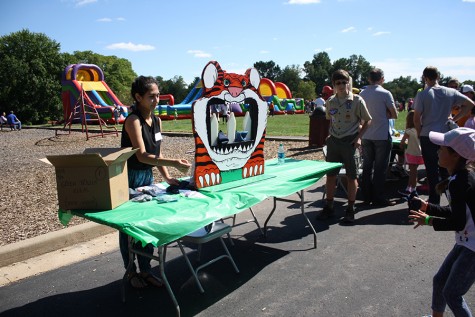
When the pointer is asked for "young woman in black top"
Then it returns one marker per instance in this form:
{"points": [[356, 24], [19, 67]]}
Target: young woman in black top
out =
{"points": [[142, 131]]}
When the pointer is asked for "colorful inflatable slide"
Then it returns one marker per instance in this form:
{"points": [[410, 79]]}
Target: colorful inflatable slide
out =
{"points": [[181, 110], [97, 94], [279, 94]]}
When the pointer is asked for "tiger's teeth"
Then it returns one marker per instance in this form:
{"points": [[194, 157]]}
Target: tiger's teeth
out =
{"points": [[201, 181]]}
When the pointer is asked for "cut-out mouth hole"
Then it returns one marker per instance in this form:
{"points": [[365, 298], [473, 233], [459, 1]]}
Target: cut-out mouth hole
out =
{"points": [[243, 140]]}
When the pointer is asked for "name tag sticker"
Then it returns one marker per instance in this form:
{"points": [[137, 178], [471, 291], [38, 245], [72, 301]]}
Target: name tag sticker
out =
{"points": [[158, 136]]}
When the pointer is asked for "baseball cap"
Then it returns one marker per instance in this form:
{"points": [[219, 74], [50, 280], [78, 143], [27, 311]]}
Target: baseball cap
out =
{"points": [[462, 140], [327, 89], [467, 88]]}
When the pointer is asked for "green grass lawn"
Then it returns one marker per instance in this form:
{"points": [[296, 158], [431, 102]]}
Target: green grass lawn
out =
{"points": [[278, 125], [293, 125]]}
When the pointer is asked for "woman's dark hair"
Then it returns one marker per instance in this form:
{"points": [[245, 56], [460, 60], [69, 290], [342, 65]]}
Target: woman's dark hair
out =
{"points": [[142, 84]]}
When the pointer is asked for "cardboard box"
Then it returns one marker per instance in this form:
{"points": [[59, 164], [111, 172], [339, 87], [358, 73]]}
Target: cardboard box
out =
{"points": [[96, 179]]}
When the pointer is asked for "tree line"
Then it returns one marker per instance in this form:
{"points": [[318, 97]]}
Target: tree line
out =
{"points": [[31, 66]]}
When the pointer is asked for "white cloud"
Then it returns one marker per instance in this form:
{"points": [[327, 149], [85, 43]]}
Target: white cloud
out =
{"points": [[199, 53], [80, 3], [263, 52], [130, 47], [381, 33], [471, 1], [350, 29], [302, 1], [109, 19], [462, 67]]}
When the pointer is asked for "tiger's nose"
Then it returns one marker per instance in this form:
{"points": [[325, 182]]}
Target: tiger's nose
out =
{"points": [[234, 91]]}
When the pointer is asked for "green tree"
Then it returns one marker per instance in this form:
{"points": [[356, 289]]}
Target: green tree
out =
{"points": [[306, 90], [357, 66], [318, 70], [291, 77], [30, 76], [175, 86], [403, 88], [268, 70]]}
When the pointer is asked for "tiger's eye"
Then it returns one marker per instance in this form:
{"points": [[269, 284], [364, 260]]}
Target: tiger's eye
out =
{"points": [[226, 82]]}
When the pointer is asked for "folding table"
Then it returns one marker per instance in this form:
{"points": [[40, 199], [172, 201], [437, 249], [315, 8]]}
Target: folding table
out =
{"points": [[162, 224]]}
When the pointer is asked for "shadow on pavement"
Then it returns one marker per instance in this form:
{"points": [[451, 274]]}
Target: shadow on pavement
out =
{"points": [[218, 280]]}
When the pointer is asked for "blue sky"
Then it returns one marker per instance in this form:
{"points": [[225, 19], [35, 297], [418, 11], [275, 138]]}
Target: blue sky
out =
{"points": [[178, 37]]}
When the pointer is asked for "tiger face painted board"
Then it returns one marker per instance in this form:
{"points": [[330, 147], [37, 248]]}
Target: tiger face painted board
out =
{"points": [[233, 154]]}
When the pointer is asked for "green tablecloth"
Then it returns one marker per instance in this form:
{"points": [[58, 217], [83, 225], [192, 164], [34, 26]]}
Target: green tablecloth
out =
{"points": [[159, 224]]}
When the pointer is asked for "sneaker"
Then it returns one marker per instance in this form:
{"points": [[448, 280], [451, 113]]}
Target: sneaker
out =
{"points": [[404, 192], [349, 216], [326, 213]]}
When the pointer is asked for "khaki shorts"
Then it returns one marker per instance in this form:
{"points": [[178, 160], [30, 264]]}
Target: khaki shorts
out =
{"points": [[342, 151]]}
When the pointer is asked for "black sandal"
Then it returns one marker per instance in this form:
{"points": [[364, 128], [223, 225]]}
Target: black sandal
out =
{"points": [[151, 279], [136, 281]]}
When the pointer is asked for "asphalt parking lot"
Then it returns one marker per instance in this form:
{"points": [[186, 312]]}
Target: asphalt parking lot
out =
{"points": [[380, 266]]}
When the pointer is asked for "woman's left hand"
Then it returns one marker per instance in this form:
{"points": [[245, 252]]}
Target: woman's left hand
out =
{"points": [[172, 181]]}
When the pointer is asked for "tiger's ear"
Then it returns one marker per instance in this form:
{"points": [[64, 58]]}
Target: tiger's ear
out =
{"points": [[210, 74], [254, 77]]}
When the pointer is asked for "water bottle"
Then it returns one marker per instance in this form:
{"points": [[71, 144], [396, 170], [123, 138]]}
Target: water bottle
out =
{"points": [[281, 154]]}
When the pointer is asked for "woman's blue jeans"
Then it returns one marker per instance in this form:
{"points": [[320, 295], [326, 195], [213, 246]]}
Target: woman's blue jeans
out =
{"points": [[453, 280]]}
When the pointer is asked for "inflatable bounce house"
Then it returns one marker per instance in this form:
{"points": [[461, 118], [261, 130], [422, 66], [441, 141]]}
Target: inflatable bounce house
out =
{"points": [[280, 96], [172, 111], [223, 157], [88, 80]]}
